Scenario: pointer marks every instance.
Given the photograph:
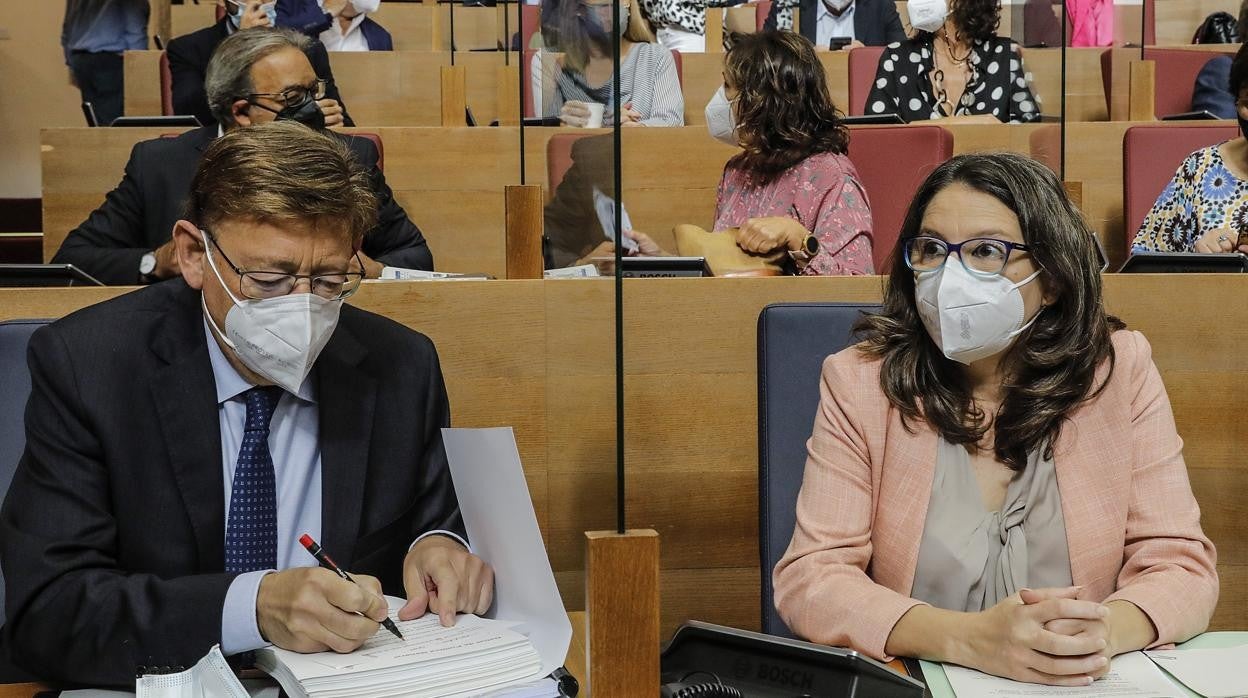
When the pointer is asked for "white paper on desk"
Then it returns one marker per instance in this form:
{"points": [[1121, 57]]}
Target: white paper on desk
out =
{"points": [[1129, 674], [498, 514], [1213, 673]]}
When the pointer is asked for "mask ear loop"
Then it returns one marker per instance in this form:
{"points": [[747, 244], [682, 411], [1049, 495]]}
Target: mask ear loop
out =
{"points": [[204, 302]]}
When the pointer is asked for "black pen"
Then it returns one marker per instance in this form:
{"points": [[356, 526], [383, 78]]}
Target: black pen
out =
{"points": [[330, 565]]}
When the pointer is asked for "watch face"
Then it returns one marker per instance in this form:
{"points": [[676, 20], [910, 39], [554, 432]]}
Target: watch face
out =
{"points": [[812, 245], [147, 264]]}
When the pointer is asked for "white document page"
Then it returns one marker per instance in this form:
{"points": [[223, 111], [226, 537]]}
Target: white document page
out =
{"points": [[498, 514], [605, 207], [1213, 673], [1130, 674]]}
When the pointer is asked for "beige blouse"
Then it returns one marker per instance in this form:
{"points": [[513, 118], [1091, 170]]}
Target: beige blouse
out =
{"points": [[970, 558]]}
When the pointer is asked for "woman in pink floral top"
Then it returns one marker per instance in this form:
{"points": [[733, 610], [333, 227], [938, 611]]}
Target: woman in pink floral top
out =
{"points": [[793, 186]]}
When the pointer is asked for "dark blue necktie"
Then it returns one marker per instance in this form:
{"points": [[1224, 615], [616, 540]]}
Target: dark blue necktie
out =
{"points": [[251, 530]]}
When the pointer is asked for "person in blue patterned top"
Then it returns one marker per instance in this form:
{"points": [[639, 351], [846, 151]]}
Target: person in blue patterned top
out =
{"points": [[1204, 208]]}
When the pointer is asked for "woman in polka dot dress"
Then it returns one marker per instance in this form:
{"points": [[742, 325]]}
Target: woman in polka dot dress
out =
{"points": [[962, 71]]}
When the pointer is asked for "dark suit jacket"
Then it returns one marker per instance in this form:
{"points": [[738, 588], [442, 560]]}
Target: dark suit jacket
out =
{"points": [[376, 35], [305, 16], [876, 22], [138, 215], [188, 65], [113, 531], [572, 228], [1212, 92]]}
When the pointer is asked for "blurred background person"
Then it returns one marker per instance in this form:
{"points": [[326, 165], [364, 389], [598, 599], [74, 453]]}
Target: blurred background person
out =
{"points": [[190, 54], [863, 22], [566, 86], [1204, 207], [94, 35], [352, 29], [955, 67]]}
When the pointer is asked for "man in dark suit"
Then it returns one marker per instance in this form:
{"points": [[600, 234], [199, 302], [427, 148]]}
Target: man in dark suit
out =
{"points": [[181, 438], [864, 22], [189, 56], [257, 75]]}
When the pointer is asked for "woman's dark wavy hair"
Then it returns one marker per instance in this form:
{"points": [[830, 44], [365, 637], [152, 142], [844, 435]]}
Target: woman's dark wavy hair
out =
{"points": [[1051, 369], [976, 20], [784, 113]]}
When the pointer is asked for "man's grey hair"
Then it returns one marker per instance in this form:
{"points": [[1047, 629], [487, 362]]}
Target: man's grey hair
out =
{"points": [[229, 72]]}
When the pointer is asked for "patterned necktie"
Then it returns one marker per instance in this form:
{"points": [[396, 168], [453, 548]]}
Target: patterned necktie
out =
{"points": [[251, 530]]}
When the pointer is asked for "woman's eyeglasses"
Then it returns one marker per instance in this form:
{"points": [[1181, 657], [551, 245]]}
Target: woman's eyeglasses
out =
{"points": [[982, 256]]}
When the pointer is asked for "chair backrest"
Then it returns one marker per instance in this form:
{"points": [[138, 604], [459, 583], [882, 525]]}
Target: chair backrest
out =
{"points": [[381, 151], [863, 62], [14, 389], [761, 10], [793, 341], [559, 158], [1150, 156], [1175, 77], [526, 77], [166, 86], [530, 24], [875, 152]]}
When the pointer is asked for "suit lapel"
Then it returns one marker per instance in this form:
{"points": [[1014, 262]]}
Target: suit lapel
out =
{"points": [[809, 19], [346, 398], [1090, 459], [185, 396], [910, 492]]}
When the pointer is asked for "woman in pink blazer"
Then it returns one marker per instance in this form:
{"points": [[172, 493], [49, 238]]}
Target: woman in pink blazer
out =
{"points": [[992, 363]]}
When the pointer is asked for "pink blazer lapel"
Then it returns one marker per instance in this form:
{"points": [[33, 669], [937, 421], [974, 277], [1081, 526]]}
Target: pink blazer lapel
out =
{"points": [[905, 487], [1093, 464]]}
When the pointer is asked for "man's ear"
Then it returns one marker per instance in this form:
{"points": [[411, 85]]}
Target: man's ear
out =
{"points": [[240, 110], [189, 242]]}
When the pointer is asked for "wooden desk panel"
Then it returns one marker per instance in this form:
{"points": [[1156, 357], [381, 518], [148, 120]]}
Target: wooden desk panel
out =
{"points": [[188, 17], [142, 81], [539, 356]]}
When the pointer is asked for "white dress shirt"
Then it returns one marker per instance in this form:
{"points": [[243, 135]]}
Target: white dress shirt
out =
{"points": [[351, 39], [829, 26]]}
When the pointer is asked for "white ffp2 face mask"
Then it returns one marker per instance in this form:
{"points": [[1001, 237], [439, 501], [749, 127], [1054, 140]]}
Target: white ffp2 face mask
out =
{"points": [[279, 338], [970, 317], [927, 15], [719, 120]]}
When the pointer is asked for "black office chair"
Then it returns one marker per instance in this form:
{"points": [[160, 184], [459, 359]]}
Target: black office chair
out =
{"points": [[14, 389], [793, 341]]}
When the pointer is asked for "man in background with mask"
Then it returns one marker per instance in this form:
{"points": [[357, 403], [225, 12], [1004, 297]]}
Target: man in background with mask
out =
{"points": [[257, 75], [862, 22], [162, 490], [189, 56]]}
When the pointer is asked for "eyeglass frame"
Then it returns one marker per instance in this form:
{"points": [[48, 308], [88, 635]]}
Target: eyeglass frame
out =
{"points": [[321, 89], [951, 247], [243, 273]]}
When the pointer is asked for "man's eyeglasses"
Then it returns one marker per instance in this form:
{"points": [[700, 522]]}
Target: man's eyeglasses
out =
{"points": [[259, 285], [982, 256], [295, 96]]}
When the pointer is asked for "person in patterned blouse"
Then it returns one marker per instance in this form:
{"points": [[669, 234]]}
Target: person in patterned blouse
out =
{"points": [[1204, 208], [793, 180], [963, 72]]}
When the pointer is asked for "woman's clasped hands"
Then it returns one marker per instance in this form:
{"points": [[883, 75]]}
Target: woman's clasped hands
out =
{"points": [[1046, 636]]}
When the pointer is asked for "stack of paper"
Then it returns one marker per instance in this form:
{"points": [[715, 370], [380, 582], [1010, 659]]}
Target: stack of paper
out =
{"points": [[1129, 675], [1212, 672], [475, 656]]}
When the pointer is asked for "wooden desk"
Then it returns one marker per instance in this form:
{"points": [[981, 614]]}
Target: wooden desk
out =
{"points": [[540, 356]]}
